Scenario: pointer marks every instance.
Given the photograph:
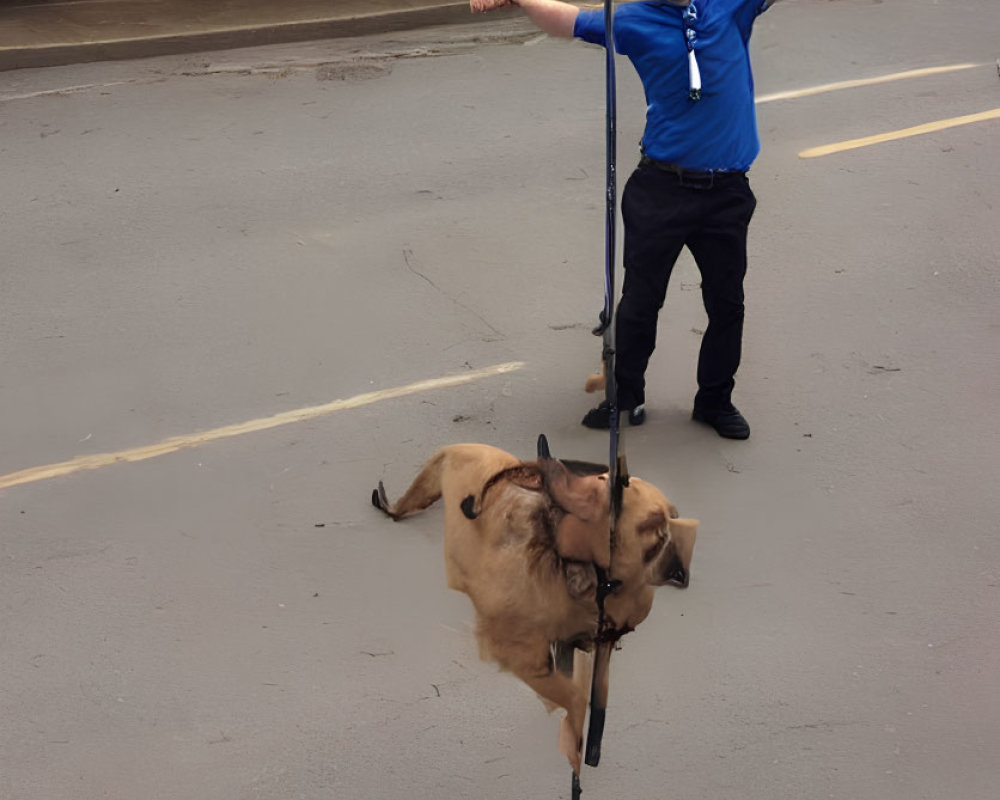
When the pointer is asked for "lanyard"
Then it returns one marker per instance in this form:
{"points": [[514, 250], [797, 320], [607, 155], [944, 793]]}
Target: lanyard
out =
{"points": [[688, 17]]}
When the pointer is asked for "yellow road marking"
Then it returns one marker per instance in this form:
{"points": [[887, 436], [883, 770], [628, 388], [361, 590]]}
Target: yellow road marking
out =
{"points": [[794, 94], [253, 426], [917, 130]]}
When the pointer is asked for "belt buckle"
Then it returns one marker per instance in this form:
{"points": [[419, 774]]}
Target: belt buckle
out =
{"points": [[696, 180]]}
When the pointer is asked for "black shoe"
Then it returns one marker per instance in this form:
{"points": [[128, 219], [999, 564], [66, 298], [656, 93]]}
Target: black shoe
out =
{"points": [[600, 418], [728, 423]]}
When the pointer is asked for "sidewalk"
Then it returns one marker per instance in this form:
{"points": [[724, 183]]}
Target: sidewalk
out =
{"points": [[41, 33]]}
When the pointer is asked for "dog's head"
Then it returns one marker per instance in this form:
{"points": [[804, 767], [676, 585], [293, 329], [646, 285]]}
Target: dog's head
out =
{"points": [[653, 543]]}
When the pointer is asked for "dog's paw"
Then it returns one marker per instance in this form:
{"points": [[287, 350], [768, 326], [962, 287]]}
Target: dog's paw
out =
{"points": [[381, 501]]}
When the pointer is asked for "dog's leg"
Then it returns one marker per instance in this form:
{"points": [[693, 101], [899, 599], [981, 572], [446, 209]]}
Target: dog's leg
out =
{"points": [[530, 658], [559, 690], [425, 490]]}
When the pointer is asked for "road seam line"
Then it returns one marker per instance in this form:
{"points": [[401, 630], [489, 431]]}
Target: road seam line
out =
{"points": [[794, 94], [176, 443], [903, 133]]}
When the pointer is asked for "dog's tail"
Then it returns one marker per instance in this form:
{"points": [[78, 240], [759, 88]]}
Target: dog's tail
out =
{"points": [[423, 492], [596, 382]]}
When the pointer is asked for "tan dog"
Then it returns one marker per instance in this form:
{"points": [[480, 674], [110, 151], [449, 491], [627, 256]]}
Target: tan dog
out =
{"points": [[522, 539]]}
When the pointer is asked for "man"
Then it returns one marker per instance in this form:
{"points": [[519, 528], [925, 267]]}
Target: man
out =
{"points": [[690, 188]]}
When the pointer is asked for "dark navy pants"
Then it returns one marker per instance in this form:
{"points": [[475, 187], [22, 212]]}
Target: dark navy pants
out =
{"points": [[663, 212]]}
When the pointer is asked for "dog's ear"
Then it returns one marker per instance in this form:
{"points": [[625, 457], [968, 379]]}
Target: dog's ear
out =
{"points": [[582, 495], [674, 565], [543, 447], [583, 468], [583, 532]]}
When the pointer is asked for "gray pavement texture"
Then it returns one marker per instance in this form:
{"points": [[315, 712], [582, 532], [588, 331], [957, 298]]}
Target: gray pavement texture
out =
{"points": [[194, 241], [38, 33]]}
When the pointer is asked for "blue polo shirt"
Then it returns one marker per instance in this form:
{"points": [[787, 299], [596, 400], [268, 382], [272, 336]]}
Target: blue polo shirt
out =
{"points": [[717, 132]]}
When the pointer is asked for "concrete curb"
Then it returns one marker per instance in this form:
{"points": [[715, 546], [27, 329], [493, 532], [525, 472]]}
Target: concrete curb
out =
{"points": [[245, 36]]}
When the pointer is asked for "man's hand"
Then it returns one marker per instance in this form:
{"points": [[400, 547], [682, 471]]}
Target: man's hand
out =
{"points": [[481, 6], [554, 17]]}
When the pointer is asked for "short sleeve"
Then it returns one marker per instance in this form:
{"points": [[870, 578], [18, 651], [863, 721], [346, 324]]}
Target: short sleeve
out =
{"points": [[747, 12], [589, 26]]}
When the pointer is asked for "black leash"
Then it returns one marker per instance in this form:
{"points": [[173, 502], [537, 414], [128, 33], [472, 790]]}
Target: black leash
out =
{"points": [[618, 477], [606, 327]]}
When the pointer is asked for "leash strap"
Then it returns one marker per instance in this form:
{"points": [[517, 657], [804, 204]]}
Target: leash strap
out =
{"points": [[618, 476], [618, 472], [606, 328], [611, 214]]}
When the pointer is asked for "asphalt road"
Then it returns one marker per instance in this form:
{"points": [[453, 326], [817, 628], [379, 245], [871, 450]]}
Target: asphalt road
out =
{"points": [[200, 242]]}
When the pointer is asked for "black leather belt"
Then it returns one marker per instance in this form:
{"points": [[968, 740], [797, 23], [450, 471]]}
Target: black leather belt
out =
{"points": [[698, 179]]}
